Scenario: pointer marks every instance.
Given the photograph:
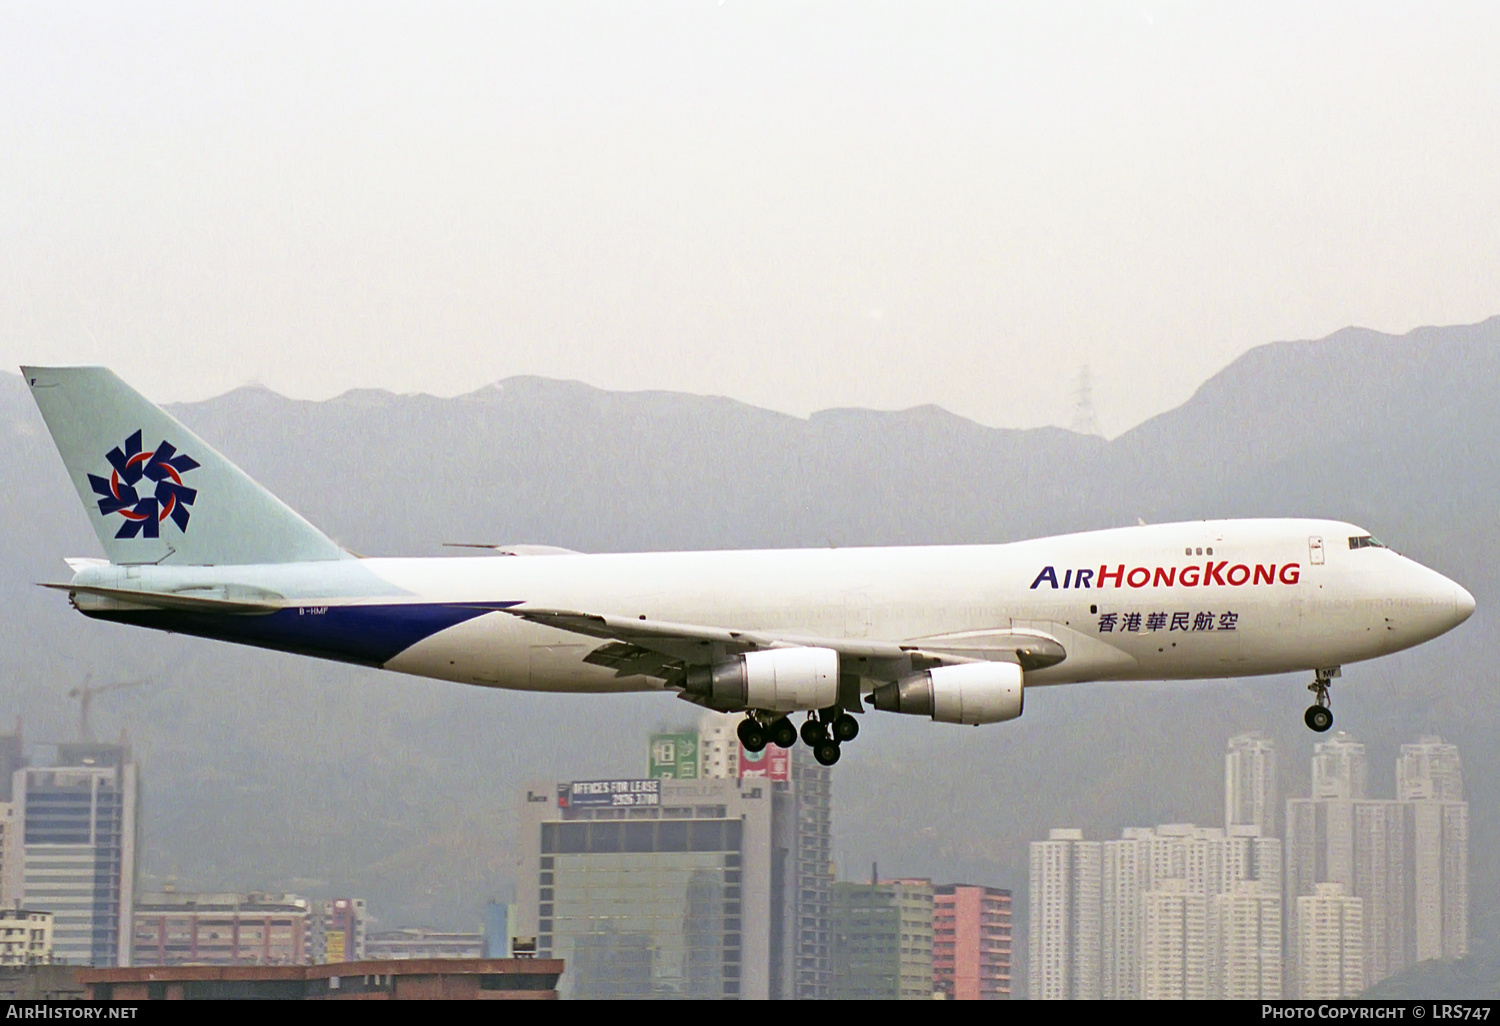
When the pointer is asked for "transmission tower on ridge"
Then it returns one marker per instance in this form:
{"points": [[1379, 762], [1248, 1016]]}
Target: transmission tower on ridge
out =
{"points": [[1084, 421]]}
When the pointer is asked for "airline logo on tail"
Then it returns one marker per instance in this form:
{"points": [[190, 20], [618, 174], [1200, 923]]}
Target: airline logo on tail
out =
{"points": [[162, 468]]}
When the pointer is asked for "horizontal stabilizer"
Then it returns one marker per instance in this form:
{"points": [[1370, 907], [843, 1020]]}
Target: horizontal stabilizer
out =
{"points": [[187, 602]]}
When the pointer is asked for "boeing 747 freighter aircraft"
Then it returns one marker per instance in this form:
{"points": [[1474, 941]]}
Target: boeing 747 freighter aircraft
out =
{"points": [[952, 633]]}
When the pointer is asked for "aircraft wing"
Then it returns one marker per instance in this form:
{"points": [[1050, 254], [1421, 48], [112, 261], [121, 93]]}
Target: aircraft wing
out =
{"points": [[659, 648]]}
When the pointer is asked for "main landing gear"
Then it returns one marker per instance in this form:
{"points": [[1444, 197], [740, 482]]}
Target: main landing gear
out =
{"points": [[823, 732], [1319, 716]]}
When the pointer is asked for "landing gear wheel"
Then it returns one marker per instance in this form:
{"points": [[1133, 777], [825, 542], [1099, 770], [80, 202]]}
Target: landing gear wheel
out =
{"points": [[813, 732], [1319, 716], [845, 728], [751, 735], [782, 733], [826, 752]]}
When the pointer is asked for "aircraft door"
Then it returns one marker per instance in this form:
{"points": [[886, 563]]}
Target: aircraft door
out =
{"points": [[1315, 551]]}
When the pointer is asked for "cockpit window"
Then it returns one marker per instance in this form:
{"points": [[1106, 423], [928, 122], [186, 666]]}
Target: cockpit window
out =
{"points": [[1365, 541]]}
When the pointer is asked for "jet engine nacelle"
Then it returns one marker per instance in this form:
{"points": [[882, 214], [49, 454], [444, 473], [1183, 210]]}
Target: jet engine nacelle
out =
{"points": [[970, 693], [775, 679]]}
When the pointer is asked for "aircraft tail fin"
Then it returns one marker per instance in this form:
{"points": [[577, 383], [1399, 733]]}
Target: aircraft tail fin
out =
{"points": [[154, 491]]}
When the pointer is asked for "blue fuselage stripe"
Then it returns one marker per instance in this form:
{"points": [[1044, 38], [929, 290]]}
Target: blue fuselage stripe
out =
{"points": [[370, 635]]}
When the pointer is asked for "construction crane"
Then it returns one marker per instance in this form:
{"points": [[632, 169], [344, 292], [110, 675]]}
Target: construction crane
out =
{"points": [[85, 693]]}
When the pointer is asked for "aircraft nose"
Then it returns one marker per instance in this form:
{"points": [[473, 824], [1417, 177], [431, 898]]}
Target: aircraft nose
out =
{"points": [[1463, 604]]}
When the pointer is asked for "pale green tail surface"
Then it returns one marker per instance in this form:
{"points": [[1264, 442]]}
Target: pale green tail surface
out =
{"points": [[154, 491]]}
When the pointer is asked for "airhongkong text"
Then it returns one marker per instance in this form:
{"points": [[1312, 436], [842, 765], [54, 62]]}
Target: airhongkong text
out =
{"points": [[1210, 573]]}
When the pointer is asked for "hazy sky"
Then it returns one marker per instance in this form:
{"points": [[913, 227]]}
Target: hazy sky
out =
{"points": [[800, 205]]}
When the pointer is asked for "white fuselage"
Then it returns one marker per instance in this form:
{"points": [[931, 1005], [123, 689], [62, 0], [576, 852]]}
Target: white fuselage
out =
{"points": [[1134, 603]]}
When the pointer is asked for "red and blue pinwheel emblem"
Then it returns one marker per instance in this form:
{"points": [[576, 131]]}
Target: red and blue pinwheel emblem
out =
{"points": [[125, 493]]}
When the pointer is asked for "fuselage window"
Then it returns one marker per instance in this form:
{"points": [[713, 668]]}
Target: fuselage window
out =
{"points": [[1365, 541]]}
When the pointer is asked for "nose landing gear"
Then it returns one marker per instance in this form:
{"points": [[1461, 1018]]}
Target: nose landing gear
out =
{"points": [[1319, 716]]}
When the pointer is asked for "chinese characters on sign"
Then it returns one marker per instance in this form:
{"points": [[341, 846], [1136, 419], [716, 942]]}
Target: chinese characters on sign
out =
{"points": [[1136, 623], [674, 756]]}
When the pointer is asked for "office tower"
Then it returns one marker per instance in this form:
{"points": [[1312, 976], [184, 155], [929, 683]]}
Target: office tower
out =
{"points": [[971, 942], [78, 825], [336, 930], [1429, 770], [180, 928], [1245, 943], [1251, 793], [1174, 943], [1330, 957], [653, 888], [1064, 932]]}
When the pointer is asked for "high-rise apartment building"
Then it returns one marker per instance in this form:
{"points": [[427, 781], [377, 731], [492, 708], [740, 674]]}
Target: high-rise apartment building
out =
{"points": [[1330, 931], [1429, 770], [1251, 787], [1064, 932], [883, 935], [914, 900], [1125, 879], [1134, 917], [866, 943], [1245, 937], [971, 942], [1439, 895], [1429, 781], [78, 825], [1406, 860], [1174, 942], [1338, 768]]}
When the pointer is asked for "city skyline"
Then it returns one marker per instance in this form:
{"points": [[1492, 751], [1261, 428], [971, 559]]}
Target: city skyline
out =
{"points": [[1359, 889]]}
